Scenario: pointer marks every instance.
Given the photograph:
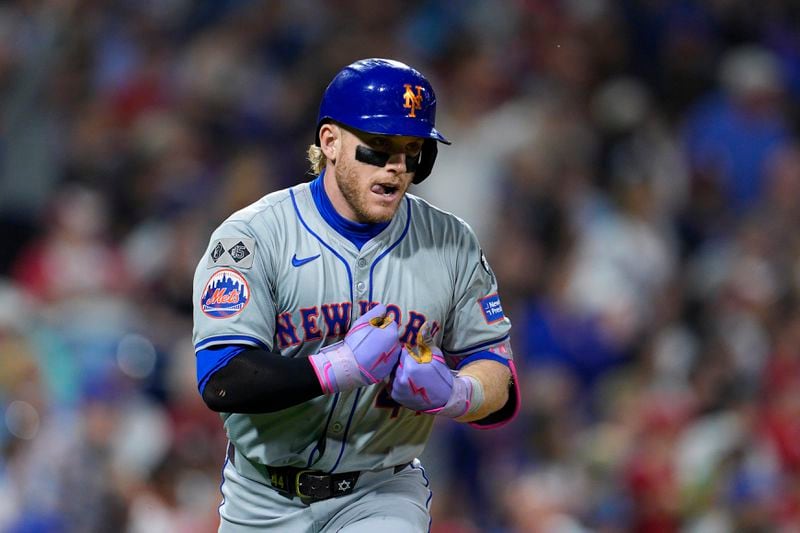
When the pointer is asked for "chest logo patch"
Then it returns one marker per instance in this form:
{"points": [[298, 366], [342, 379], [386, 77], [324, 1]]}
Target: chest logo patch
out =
{"points": [[226, 294], [300, 262]]}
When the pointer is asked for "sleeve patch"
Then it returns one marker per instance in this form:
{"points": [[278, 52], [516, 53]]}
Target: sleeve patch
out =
{"points": [[226, 294], [491, 308], [232, 251]]}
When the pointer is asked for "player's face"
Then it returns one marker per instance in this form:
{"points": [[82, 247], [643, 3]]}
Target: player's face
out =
{"points": [[371, 193]]}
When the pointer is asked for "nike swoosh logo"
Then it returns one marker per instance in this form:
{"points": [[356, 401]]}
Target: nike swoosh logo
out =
{"points": [[300, 262]]}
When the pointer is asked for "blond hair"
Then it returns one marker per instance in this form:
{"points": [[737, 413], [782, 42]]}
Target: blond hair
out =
{"points": [[316, 158]]}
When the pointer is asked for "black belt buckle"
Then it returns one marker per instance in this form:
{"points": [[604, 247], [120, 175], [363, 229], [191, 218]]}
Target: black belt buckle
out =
{"points": [[309, 485]]}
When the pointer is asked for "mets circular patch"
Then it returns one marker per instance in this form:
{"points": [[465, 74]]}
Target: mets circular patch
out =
{"points": [[225, 295]]}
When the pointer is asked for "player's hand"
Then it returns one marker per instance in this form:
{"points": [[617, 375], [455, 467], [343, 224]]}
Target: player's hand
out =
{"points": [[423, 381], [367, 354]]}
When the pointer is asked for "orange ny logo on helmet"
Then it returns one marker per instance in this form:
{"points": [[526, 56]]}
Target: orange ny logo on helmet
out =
{"points": [[412, 101]]}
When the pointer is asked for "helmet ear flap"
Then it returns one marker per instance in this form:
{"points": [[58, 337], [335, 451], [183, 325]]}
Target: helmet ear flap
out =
{"points": [[426, 160]]}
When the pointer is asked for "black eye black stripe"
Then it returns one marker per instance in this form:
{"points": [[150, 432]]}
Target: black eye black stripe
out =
{"points": [[379, 159], [371, 157]]}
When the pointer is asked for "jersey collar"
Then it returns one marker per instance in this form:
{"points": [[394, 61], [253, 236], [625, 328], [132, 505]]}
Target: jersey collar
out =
{"points": [[355, 232]]}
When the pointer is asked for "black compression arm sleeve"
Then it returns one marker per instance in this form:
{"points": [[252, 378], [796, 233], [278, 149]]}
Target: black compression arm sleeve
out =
{"points": [[256, 381]]}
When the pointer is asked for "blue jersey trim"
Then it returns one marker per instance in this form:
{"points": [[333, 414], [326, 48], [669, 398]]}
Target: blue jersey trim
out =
{"points": [[355, 232], [222, 482], [325, 244], [483, 354], [324, 432], [230, 339], [350, 279], [210, 360], [430, 493], [390, 248], [478, 346], [346, 431]]}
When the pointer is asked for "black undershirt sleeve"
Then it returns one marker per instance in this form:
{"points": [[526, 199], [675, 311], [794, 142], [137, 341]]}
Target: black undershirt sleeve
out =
{"points": [[257, 381]]}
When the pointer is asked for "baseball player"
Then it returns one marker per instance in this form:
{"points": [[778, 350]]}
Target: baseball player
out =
{"points": [[334, 320]]}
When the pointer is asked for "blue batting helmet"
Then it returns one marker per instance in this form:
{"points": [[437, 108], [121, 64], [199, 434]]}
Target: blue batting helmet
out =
{"points": [[384, 97]]}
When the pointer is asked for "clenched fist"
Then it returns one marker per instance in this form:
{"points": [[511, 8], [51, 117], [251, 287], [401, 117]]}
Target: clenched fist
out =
{"points": [[423, 381], [367, 354]]}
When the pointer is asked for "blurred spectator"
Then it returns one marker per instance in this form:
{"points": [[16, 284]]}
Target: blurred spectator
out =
{"points": [[73, 258], [730, 135]]}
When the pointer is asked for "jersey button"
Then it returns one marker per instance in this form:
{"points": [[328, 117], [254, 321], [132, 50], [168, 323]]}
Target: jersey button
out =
{"points": [[337, 427], [361, 286], [362, 262]]}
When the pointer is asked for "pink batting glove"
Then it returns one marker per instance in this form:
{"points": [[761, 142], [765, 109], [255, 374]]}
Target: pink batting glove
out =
{"points": [[367, 354], [423, 381]]}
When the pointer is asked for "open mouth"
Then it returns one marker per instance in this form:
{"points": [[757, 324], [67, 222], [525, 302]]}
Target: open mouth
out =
{"points": [[384, 189]]}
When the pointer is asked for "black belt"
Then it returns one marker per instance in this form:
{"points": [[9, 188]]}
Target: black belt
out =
{"points": [[308, 485], [311, 485]]}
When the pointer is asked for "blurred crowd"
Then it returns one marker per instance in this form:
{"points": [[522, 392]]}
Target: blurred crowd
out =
{"points": [[632, 168]]}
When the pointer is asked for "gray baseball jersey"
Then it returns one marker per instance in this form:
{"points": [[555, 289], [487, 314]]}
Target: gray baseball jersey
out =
{"points": [[277, 276]]}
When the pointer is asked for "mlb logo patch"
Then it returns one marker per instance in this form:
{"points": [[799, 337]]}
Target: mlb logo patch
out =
{"points": [[225, 295], [491, 308]]}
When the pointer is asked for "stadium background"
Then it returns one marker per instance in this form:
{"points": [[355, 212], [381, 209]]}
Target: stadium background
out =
{"points": [[632, 168]]}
